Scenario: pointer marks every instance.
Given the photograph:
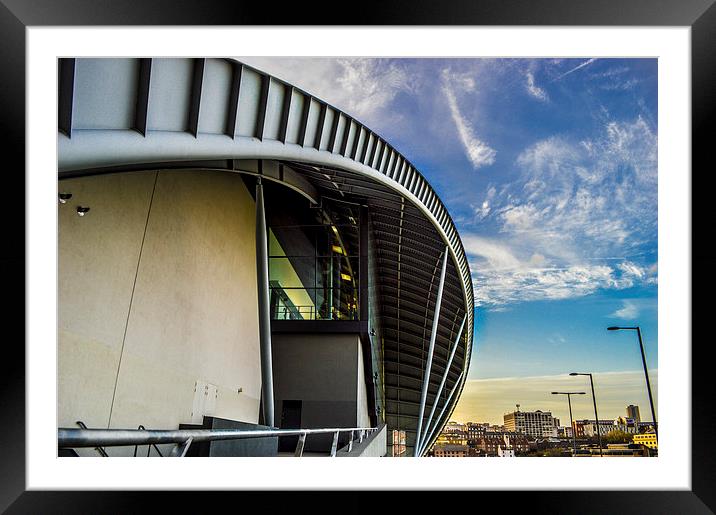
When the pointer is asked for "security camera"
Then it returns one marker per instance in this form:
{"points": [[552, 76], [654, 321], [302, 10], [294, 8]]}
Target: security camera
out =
{"points": [[64, 197], [82, 210]]}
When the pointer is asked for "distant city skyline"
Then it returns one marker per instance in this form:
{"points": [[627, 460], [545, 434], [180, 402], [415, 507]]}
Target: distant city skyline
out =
{"points": [[549, 169], [487, 400]]}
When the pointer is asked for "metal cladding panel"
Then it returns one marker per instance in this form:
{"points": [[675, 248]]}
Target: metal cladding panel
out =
{"points": [[351, 135], [367, 151], [312, 123], [340, 132], [391, 163], [215, 96], [359, 144], [295, 114], [384, 156], [340, 159], [274, 109], [108, 92], [170, 94], [327, 129], [249, 96]]}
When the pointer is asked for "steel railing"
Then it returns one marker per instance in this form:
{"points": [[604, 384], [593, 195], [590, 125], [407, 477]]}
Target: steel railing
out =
{"points": [[149, 447], [69, 438], [100, 450]]}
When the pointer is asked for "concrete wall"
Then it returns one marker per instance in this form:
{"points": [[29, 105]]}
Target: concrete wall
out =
{"points": [[144, 316], [325, 372]]}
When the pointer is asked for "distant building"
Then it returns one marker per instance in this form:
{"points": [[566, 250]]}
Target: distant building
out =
{"points": [[539, 424], [491, 443], [564, 432], [625, 425], [454, 427], [645, 427], [475, 431], [633, 412], [507, 451], [647, 439], [453, 434], [450, 451], [588, 428]]}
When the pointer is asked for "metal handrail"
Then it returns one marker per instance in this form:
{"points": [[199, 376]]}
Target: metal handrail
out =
{"points": [[71, 437], [149, 447], [100, 450]]}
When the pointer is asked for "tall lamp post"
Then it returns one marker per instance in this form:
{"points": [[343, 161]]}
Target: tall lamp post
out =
{"points": [[646, 373], [571, 421], [594, 398]]}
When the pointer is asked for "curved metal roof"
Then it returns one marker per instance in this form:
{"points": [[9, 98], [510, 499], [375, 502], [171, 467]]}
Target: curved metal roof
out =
{"points": [[119, 113]]}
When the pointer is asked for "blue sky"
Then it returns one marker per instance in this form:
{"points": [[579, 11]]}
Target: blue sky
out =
{"points": [[549, 169]]}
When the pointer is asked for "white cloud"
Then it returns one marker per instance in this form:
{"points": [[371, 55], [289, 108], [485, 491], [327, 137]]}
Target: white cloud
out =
{"points": [[370, 84], [575, 206], [483, 210], [628, 311], [535, 90], [478, 152], [359, 86]]}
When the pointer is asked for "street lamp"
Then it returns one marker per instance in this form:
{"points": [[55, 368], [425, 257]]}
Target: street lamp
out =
{"points": [[594, 398], [571, 421], [646, 373]]}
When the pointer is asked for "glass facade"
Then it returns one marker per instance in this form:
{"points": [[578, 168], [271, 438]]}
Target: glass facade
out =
{"points": [[313, 272], [322, 267]]}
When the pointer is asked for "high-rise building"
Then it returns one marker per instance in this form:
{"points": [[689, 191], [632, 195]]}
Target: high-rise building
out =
{"points": [[633, 412], [235, 252], [539, 424]]}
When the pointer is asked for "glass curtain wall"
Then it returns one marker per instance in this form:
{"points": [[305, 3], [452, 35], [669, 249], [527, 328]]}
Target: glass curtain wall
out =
{"points": [[313, 270]]}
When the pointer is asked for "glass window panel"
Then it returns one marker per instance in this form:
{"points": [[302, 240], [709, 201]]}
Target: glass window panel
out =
{"points": [[292, 241], [293, 272]]}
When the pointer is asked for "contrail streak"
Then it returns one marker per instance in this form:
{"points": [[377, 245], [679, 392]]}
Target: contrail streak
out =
{"points": [[585, 63]]}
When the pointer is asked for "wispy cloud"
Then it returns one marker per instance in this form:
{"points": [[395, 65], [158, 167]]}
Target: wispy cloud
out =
{"points": [[533, 89], [500, 277], [568, 214], [628, 311], [478, 152], [360, 86]]}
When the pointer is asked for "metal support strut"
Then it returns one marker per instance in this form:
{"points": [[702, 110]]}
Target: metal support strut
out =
{"points": [[431, 348], [447, 403], [262, 276], [442, 383]]}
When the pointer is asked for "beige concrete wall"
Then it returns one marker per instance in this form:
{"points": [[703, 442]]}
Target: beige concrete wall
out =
{"points": [[193, 314], [97, 260]]}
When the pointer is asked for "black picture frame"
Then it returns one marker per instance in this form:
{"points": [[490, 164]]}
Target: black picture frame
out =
{"points": [[700, 15]]}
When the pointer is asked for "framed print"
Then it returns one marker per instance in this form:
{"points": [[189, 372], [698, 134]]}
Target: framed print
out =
{"points": [[189, 109]]}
